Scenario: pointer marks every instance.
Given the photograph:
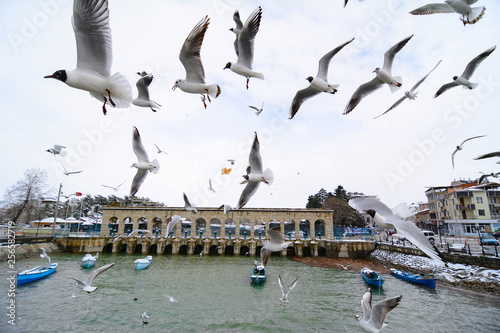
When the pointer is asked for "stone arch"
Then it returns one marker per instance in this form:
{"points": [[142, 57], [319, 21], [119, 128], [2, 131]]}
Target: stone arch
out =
{"points": [[157, 226], [306, 252], [289, 229], [183, 249], [244, 250], [257, 250], [198, 249], [143, 223], [215, 228], [245, 228], [108, 248], [230, 228], [214, 250], [128, 225], [123, 248], [229, 250], [201, 227], [153, 249], [113, 225], [274, 223], [168, 249], [259, 229], [320, 229], [138, 249], [322, 252], [186, 228], [305, 229], [290, 251]]}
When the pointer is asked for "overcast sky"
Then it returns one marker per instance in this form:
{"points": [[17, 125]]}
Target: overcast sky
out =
{"points": [[394, 156]]}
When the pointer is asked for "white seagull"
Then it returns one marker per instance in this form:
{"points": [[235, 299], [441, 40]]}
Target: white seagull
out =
{"points": [[159, 150], [94, 57], [284, 294], [142, 99], [143, 165], [226, 208], [373, 320], [383, 76], [254, 175], [470, 15], [210, 186], [258, 111], [276, 243], [245, 39], [484, 176], [463, 80], [317, 84], [188, 206], [44, 254], [411, 94], [191, 60], [86, 284], [385, 218], [57, 150], [489, 155], [171, 225], [171, 299], [237, 29], [137, 231], [114, 188], [460, 147], [67, 173]]}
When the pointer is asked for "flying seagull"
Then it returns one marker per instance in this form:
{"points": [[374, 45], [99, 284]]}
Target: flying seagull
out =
{"points": [[460, 147], [94, 57], [254, 175], [317, 84], [171, 225], [44, 254], [246, 38], [188, 206], [137, 231], [411, 94], [57, 150], [67, 173], [470, 15], [159, 150], [493, 174], [231, 161], [237, 29], [226, 208], [488, 155], [463, 80], [258, 111], [114, 188], [210, 186], [284, 294], [385, 218], [383, 75], [143, 164], [373, 320], [171, 299], [86, 284], [142, 99], [276, 243], [191, 60]]}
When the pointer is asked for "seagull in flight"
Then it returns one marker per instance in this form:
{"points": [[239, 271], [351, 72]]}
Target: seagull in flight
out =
{"points": [[258, 111], [373, 320], [143, 164], [411, 94], [142, 99], [245, 39], [489, 155], [463, 80], [171, 225], [210, 186], [44, 254], [67, 173], [188, 206], [137, 231], [284, 294], [276, 243], [86, 284], [383, 75], [231, 161], [470, 15], [255, 174], [460, 147], [171, 299], [114, 188], [226, 208], [159, 150], [236, 30], [493, 174], [57, 150], [94, 57], [317, 84], [191, 60]]}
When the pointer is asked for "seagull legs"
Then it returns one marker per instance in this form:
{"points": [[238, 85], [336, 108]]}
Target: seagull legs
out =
{"points": [[110, 99], [104, 106], [203, 98], [248, 80], [152, 109]]}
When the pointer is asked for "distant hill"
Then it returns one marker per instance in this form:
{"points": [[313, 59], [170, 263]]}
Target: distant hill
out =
{"points": [[343, 213]]}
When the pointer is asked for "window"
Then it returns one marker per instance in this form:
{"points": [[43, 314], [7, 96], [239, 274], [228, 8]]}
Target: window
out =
{"points": [[479, 200], [481, 212], [493, 200]]}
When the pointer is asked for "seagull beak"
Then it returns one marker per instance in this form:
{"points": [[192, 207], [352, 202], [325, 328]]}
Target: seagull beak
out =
{"points": [[173, 88], [49, 76]]}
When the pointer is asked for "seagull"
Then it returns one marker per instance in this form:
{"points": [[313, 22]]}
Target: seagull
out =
{"points": [[70, 172], [254, 175], [493, 174], [383, 76], [44, 254], [345, 3], [344, 267], [284, 295], [258, 111], [245, 39], [171, 225], [188, 206], [142, 99], [460, 147], [136, 231], [226, 208], [94, 57], [463, 80], [86, 285], [385, 218], [373, 320], [276, 243], [159, 150], [143, 165], [191, 60], [210, 186], [470, 15], [114, 188], [144, 317], [411, 94], [57, 150], [237, 29], [317, 84], [171, 299], [231, 161], [488, 155]]}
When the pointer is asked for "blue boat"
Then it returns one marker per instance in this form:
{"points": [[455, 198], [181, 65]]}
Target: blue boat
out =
{"points": [[415, 278], [143, 263], [34, 274], [258, 273], [372, 278]]}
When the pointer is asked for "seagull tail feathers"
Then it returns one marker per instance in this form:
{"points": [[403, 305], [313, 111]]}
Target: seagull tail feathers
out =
{"points": [[258, 76], [476, 14], [121, 91], [268, 177], [214, 90], [156, 165], [395, 87]]}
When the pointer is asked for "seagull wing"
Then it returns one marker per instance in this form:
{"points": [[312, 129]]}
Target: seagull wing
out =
{"points": [[381, 309], [294, 283], [423, 79], [324, 62], [366, 304], [247, 193], [280, 283], [391, 53], [300, 97], [142, 87], [96, 273], [187, 204], [488, 155], [239, 26], [190, 52], [93, 36], [246, 38], [254, 158], [472, 65], [433, 8], [474, 137], [171, 224], [138, 148], [401, 100], [453, 158], [445, 87], [362, 91], [364, 204], [139, 178], [80, 284], [264, 256]]}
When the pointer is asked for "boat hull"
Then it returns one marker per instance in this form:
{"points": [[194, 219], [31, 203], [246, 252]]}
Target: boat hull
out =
{"points": [[372, 278], [258, 277], [88, 263], [143, 263], [34, 275], [414, 278]]}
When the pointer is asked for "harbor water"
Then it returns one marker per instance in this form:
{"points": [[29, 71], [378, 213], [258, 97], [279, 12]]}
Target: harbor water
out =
{"points": [[215, 294]]}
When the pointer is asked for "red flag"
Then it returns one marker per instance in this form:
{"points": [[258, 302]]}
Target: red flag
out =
{"points": [[78, 194]]}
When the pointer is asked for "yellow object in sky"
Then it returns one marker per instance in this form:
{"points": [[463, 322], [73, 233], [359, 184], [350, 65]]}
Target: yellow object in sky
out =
{"points": [[226, 171]]}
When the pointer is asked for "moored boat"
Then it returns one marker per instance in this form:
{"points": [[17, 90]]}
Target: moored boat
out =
{"points": [[35, 273], [89, 260], [371, 277], [258, 274], [143, 263], [415, 278]]}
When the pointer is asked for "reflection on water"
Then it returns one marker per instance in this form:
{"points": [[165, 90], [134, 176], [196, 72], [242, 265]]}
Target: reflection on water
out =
{"points": [[214, 294]]}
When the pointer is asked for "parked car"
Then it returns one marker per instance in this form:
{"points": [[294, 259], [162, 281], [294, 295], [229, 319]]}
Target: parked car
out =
{"points": [[430, 235], [487, 239]]}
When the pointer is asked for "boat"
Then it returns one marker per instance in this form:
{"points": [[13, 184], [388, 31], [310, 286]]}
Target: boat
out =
{"points": [[371, 277], [143, 263], [35, 273], [89, 260], [258, 274], [415, 278]]}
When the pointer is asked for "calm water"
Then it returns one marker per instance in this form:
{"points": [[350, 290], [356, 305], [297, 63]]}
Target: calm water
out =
{"points": [[215, 295]]}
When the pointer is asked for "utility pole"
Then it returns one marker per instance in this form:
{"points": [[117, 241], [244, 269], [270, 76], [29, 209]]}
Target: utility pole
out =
{"points": [[57, 209]]}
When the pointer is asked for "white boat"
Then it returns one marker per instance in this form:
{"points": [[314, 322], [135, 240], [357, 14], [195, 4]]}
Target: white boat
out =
{"points": [[89, 260], [143, 263]]}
